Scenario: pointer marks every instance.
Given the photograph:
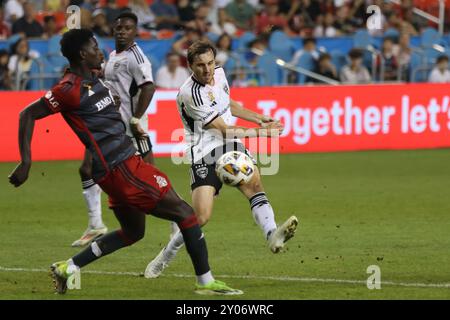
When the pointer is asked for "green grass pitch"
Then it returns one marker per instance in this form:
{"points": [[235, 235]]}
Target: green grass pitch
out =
{"points": [[384, 208]]}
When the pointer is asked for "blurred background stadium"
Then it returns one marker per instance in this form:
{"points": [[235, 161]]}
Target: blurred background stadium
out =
{"points": [[336, 84]]}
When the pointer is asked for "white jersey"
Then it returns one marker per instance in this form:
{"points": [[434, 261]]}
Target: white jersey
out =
{"points": [[125, 72], [198, 106]]}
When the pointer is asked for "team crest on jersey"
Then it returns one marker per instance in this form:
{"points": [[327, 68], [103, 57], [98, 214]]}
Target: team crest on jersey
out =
{"points": [[225, 88], [202, 172], [90, 92], [211, 96], [116, 65], [161, 181]]}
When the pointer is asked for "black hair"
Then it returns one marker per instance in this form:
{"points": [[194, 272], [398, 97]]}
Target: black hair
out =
{"points": [[48, 18], [306, 40], [127, 15], [198, 48], [355, 53], [72, 41], [224, 35], [441, 58], [171, 53]]}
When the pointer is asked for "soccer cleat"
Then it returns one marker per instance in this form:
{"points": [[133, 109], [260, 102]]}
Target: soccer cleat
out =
{"points": [[89, 235], [156, 266], [282, 234], [58, 272], [215, 288]]}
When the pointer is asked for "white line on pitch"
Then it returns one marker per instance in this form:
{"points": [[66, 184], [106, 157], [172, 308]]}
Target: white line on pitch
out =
{"points": [[276, 278]]}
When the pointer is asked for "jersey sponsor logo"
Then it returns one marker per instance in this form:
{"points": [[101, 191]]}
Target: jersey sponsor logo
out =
{"points": [[103, 103], [116, 66], [209, 114], [51, 99], [202, 172], [161, 181], [90, 92]]}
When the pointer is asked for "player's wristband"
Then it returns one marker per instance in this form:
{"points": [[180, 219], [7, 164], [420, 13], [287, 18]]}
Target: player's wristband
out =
{"points": [[134, 120]]}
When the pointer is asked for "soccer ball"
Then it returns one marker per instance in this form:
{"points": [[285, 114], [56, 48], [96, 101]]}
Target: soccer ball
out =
{"points": [[235, 168]]}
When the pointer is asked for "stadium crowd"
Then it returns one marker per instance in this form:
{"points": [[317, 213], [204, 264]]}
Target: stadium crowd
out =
{"points": [[227, 22]]}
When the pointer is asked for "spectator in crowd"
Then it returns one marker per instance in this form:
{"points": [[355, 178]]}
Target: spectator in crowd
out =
{"points": [[343, 22], [146, 17], [50, 27], [325, 68], [387, 61], [101, 27], [440, 72], [180, 46], [20, 61], [270, 17], [55, 5], [241, 14], [186, 11], [309, 46], [254, 76], [166, 14], [111, 11], [403, 53], [4, 29], [5, 79], [355, 72], [27, 25], [13, 10], [218, 18], [172, 75], [201, 18], [325, 26], [223, 46]]}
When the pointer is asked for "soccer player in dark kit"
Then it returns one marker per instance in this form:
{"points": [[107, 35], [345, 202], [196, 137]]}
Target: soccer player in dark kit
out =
{"points": [[134, 187]]}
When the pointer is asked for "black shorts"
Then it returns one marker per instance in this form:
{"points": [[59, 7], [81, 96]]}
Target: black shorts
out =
{"points": [[143, 146], [203, 172]]}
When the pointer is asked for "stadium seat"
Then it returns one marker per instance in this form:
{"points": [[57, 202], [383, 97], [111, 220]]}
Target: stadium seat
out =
{"points": [[362, 39], [307, 62], [267, 64], [281, 46], [339, 59], [245, 39], [392, 33], [429, 36], [54, 56], [415, 63]]}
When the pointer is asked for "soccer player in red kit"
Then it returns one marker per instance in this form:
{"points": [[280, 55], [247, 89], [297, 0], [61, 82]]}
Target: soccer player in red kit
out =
{"points": [[134, 187]]}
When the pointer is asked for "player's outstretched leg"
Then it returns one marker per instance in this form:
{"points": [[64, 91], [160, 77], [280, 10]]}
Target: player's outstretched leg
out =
{"points": [[132, 224], [264, 216], [202, 201], [92, 196], [173, 208]]}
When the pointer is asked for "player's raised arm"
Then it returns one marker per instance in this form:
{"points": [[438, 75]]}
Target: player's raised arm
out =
{"points": [[273, 129], [28, 116], [239, 111]]}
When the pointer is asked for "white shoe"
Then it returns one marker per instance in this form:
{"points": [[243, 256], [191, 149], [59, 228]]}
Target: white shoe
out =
{"points": [[89, 235], [156, 266], [173, 229], [282, 234]]}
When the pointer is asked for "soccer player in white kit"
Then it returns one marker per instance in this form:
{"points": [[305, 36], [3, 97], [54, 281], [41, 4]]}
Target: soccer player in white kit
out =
{"points": [[206, 110], [128, 74]]}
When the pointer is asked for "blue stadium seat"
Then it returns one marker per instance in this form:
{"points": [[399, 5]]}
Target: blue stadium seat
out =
{"points": [[429, 37], [306, 61], [267, 64], [339, 59], [392, 33], [362, 39], [281, 46], [416, 62], [245, 39]]}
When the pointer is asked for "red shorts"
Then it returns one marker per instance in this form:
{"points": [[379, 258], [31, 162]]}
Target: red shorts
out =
{"points": [[135, 183]]}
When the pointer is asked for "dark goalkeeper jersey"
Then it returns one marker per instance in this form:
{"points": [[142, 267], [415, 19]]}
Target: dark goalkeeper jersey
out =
{"points": [[88, 108]]}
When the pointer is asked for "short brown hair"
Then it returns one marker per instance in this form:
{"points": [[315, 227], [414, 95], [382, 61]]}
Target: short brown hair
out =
{"points": [[198, 48]]}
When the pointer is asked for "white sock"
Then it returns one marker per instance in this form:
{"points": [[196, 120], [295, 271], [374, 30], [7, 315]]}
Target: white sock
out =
{"points": [[71, 267], [173, 246], [263, 213], [173, 229], [205, 278], [92, 196]]}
